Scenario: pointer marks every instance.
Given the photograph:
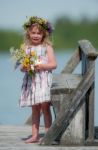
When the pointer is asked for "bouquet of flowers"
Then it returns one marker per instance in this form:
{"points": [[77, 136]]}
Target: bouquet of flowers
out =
{"points": [[28, 60]]}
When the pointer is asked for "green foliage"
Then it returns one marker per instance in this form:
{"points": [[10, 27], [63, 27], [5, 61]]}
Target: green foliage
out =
{"points": [[66, 34], [9, 38]]}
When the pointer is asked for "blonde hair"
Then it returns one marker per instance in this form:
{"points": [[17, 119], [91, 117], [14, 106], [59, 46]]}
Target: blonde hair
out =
{"points": [[46, 36]]}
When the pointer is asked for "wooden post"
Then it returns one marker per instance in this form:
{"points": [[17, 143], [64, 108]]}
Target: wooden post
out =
{"points": [[75, 132], [66, 115], [88, 57]]}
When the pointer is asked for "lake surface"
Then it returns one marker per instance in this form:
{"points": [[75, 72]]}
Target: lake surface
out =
{"points": [[10, 88]]}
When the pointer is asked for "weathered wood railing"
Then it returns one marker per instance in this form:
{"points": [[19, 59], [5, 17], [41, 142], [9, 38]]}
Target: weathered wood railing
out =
{"points": [[73, 100]]}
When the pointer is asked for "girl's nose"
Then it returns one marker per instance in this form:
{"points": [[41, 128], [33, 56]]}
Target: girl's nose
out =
{"points": [[36, 34]]}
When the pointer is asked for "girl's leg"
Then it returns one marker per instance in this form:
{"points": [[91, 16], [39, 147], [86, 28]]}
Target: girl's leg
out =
{"points": [[35, 120], [35, 124], [47, 115]]}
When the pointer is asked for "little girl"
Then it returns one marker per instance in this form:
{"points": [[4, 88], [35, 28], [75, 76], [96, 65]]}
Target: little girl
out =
{"points": [[36, 88]]}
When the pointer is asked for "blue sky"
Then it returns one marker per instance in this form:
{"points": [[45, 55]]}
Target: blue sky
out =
{"points": [[13, 12]]}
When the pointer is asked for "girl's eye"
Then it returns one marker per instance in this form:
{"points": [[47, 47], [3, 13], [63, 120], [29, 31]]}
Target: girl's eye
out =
{"points": [[35, 33]]}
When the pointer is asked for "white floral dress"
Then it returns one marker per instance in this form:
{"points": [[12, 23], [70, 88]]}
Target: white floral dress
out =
{"points": [[36, 89]]}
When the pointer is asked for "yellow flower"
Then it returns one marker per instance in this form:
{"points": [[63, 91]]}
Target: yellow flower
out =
{"points": [[26, 61], [33, 53], [25, 65]]}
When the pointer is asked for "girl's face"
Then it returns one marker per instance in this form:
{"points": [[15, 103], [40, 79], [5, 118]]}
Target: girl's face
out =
{"points": [[35, 35]]}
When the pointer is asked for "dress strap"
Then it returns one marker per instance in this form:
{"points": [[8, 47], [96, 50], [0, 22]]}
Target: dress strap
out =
{"points": [[43, 50]]}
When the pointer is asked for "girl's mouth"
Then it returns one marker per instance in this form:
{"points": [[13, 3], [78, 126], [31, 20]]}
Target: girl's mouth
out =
{"points": [[35, 39]]}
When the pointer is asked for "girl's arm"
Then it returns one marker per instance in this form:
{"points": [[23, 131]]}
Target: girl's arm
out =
{"points": [[51, 60]]}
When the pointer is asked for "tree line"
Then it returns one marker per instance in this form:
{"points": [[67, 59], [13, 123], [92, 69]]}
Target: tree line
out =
{"points": [[65, 36]]}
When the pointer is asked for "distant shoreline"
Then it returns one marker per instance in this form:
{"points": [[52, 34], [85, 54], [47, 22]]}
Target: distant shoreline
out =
{"points": [[66, 34]]}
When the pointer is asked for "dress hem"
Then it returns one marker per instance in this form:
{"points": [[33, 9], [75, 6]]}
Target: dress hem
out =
{"points": [[30, 105]]}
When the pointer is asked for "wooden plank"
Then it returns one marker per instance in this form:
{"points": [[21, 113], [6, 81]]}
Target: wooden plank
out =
{"points": [[72, 63], [12, 138], [89, 99], [91, 114], [57, 100], [65, 83], [88, 49], [65, 115], [75, 132]]}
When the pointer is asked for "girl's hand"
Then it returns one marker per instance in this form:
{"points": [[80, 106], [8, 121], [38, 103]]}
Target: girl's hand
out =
{"points": [[39, 67]]}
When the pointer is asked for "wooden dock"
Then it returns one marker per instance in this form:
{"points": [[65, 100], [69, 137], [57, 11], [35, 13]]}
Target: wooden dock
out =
{"points": [[12, 138], [74, 102], [72, 97]]}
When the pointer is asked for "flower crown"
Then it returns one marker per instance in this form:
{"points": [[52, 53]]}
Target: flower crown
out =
{"points": [[44, 23]]}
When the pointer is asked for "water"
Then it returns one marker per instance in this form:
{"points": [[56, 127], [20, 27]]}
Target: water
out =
{"points": [[10, 88]]}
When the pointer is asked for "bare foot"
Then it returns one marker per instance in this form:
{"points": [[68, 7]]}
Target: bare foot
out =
{"points": [[32, 140]]}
